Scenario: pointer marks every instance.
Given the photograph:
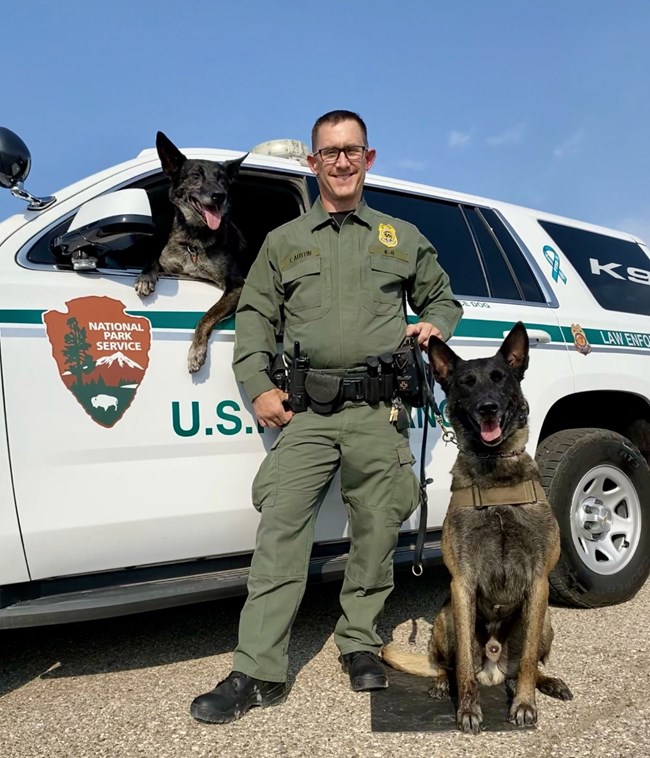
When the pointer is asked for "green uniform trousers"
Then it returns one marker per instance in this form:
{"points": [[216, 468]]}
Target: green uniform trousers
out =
{"points": [[380, 490]]}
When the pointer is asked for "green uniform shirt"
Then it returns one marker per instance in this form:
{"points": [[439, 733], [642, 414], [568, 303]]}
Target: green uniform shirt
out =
{"points": [[339, 292]]}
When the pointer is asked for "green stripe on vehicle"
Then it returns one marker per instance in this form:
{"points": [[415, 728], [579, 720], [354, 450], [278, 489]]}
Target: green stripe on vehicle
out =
{"points": [[613, 337], [21, 317], [159, 319], [180, 319], [468, 327]]}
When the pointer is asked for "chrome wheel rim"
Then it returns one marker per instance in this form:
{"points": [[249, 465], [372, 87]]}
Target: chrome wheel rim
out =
{"points": [[605, 519]]}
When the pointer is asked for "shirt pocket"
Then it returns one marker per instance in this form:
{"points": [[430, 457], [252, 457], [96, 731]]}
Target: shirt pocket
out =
{"points": [[303, 288], [385, 279]]}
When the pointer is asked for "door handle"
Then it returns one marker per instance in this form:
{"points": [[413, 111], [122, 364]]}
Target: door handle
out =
{"points": [[535, 336]]}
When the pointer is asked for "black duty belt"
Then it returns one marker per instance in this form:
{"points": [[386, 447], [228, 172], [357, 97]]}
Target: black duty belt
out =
{"points": [[387, 377], [328, 390]]}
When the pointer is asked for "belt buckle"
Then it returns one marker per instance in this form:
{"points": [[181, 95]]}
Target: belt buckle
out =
{"points": [[357, 386]]}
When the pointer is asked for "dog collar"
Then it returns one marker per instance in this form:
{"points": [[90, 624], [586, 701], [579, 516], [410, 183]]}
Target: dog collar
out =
{"points": [[194, 253], [514, 494]]}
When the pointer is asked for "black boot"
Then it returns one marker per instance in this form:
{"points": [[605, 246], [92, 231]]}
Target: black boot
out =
{"points": [[233, 697], [366, 671]]}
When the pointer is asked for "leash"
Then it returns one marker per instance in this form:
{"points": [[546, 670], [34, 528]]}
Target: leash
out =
{"points": [[430, 405]]}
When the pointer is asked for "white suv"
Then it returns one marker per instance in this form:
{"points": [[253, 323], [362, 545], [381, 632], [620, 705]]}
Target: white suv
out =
{"points": [[125, 481]]}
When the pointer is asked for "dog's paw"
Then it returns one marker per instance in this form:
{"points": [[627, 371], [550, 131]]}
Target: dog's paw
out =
{"points": [[196, 357], [145, 284], [554, 687], [523, 713], [470, 719], [440, 688]]}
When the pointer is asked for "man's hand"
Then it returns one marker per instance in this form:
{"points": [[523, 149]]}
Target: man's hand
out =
{"points": [[423, 330], [269, 409]]}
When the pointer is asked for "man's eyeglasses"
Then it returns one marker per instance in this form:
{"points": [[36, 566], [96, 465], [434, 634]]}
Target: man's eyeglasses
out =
{"points": [[331, 154]]}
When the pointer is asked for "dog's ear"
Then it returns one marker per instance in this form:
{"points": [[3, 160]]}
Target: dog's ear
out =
{"points": [[170, 156], [442, 360], [515, 349], [232, 167]]}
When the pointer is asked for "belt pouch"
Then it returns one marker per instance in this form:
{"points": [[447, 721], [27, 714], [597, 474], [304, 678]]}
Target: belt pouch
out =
{"points": [[372, 389], [387, 386], [387, 379], [371, 386], [324, 391]]}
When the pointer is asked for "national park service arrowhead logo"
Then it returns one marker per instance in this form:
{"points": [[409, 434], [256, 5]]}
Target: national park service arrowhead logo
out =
{"points": [[102, 354]]}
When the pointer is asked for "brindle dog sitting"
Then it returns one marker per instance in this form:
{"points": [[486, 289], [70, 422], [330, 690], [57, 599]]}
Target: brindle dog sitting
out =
{"points": [[500, 540], [203, 242]]}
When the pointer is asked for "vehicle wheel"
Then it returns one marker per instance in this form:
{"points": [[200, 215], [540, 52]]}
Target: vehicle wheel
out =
{"points": [[598, 485]]}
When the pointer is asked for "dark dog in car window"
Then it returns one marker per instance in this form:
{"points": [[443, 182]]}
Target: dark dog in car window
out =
{"points": [[203, 242]]}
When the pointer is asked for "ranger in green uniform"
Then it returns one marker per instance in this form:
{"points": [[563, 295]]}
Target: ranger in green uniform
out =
{"points": [[336, 278]]}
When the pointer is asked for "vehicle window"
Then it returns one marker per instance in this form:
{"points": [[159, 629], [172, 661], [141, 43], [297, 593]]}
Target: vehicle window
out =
{"points": [[616, 271], [499, 274], [444, 226], [524, 275], [259, 204]]}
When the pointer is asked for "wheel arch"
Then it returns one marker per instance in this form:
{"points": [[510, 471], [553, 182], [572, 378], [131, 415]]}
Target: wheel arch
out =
{"points": [[626, 413]]}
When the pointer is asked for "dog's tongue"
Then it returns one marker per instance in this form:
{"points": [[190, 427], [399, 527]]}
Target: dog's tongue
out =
{"points": [[490, 430], [212, 217]]}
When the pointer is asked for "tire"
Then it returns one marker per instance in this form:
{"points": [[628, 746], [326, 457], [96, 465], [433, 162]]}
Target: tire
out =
{"points": [[605, 555]]}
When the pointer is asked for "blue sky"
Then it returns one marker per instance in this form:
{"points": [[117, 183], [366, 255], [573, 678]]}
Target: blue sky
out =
{"points": [[545, 103]]}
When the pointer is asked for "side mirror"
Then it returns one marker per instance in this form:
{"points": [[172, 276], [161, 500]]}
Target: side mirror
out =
{"points": [[15, 163], [15, 159], [104, 225]]}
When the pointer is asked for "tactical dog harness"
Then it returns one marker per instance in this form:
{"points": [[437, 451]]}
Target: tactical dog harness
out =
{"points": [[523, 493]]}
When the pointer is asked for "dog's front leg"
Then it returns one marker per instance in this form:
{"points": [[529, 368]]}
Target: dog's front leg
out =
{"points": [[523, 711], [146, 282], [469, 716], [223, 308], [442, 651]]}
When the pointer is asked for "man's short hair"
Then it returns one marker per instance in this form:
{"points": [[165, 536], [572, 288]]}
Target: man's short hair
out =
{"points": [[335, 117]]}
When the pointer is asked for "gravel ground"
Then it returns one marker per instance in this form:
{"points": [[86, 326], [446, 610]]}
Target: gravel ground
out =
{"points": [[122, 687]]}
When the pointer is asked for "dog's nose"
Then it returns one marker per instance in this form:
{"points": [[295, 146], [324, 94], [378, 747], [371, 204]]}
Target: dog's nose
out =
{"points": [[218, 198], [488, 408]]}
